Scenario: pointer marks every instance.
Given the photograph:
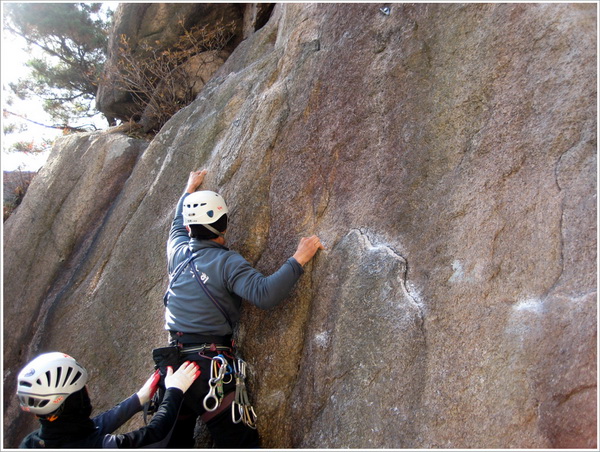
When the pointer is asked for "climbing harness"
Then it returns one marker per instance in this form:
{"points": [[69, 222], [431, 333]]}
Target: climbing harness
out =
{"points": [[241, 404], [200, 349]]}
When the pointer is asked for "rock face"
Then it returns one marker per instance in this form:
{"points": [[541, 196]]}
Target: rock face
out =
{"points": [[444, 153], [47, 242]]}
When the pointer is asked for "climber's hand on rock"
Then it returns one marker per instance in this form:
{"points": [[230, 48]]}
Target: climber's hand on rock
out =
{"points": [[307, 248], [195, 180], [149, 388], [184, 377]]}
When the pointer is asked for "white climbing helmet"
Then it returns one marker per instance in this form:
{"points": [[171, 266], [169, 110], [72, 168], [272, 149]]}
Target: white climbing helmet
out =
{"points": [[45, 383], [203, 207]]}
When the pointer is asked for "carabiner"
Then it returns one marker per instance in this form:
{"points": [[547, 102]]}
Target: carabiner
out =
{"points": [[215, 383], [212, 394], [241, 403], [250, 416], [239, 410]]}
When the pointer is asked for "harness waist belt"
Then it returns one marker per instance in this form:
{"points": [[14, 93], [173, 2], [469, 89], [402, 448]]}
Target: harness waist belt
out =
{"points": [[205, 347], [197, 339]]}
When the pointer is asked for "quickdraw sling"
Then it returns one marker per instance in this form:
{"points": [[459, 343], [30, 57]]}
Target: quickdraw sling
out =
{"points": [[241, 408]]}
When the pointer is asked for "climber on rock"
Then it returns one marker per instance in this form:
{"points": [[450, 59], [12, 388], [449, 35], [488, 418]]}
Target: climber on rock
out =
{"points": [[53, 387], [207, 284]]}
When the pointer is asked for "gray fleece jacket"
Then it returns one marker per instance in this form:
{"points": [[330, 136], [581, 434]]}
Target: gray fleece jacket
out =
{"points": [[228, 276]]}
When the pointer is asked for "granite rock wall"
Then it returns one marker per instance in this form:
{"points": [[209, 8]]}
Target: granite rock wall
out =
{"points": [[446, 156]]}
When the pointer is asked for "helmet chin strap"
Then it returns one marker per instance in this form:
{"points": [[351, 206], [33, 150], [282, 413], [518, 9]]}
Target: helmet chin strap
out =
{"points": [[213, 230], [54, 415]]}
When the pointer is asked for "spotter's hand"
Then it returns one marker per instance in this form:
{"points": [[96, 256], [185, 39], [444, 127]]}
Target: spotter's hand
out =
{"points": [[184, 377], [149, 388]]}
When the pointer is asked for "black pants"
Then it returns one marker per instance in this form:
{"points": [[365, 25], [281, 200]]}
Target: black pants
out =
{"points": [[224, 432]]}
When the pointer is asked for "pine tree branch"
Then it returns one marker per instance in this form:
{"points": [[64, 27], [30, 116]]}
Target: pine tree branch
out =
{"points": [[55, 126]]}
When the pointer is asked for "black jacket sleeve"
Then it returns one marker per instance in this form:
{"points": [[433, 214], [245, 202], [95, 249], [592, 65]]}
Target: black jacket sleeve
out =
{"points": [[112, 419], [158, 432]]}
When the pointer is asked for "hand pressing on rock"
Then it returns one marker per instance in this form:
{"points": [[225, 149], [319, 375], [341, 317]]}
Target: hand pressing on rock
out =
{"points": [[307, 248], [195, 180]]}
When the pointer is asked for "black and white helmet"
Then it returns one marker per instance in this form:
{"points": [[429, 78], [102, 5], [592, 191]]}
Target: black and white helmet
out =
{"points": [[45, 383]]}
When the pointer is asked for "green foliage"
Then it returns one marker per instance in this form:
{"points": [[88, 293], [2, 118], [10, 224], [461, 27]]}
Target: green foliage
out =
{"points": [[31, 147], [73, 38]]}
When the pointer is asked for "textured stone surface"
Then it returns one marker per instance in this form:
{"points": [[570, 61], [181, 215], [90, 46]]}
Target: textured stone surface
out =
{"points": [[365, 337], [445, 154], [49, 239]]}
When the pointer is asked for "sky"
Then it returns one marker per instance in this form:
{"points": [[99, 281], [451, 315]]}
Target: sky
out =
{"points": [[13, 58], [13, 67]]}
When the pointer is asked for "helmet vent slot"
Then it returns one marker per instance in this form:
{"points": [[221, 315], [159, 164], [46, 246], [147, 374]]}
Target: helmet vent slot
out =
{"points": [[69, 372], [76, 377], [48, 378], [58, 374], [26, 384]]}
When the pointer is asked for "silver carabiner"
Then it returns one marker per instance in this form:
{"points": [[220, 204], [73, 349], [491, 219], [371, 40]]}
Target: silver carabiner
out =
{"points": [[212, 394], [239, 410], [214, 382]]}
